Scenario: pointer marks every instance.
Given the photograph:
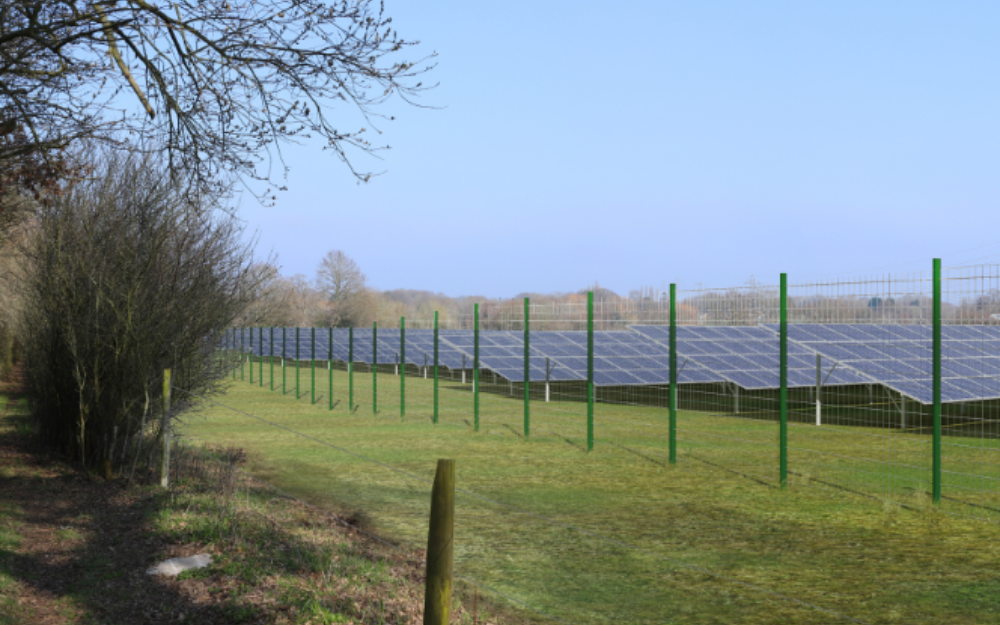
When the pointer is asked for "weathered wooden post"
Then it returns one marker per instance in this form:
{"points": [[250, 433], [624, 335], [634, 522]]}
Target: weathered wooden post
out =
{"points": [[440, 546]]}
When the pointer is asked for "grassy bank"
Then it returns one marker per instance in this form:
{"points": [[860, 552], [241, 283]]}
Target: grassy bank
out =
{"points": [[74, 549]]}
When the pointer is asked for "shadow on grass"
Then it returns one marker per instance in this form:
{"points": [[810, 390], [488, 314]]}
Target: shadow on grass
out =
{"points": [[78, 548]]}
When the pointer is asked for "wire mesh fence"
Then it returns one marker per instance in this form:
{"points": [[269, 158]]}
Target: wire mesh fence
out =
{"points": [[884, 387]]}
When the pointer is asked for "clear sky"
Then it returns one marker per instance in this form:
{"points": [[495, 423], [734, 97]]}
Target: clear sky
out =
{"points": [[647, 142]]}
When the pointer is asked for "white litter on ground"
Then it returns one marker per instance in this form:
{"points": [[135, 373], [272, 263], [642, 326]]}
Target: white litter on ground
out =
{"points": [[173, 566]]}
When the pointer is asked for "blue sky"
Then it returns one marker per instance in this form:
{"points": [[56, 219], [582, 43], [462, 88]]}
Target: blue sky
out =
{"points": [[642, 143]]}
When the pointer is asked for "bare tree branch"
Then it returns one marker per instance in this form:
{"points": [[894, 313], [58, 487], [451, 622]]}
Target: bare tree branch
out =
{"points": [[218, 83]]}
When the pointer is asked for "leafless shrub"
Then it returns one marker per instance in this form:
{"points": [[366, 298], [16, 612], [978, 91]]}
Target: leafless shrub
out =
{"points": [[127, 275]]}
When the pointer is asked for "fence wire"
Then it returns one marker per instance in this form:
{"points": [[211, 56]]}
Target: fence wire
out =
{"points": [[858, 407]]}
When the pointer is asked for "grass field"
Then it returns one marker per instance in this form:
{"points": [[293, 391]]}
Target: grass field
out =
{"points": [[635, 539]]}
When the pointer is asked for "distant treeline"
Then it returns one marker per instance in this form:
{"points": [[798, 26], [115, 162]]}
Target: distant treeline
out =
{"points": [[339, 296]]}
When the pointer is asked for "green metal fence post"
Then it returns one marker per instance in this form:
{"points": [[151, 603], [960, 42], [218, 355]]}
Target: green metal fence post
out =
{"points": [[329, 366], [783, 380], [297, 394], [260, 378], [435, 366], [283, 342], [243, 354], [272, 358], [374, 367], [936, 388], [590, 370], [527, 372], [312, 366], [402, 368], [350, 370], [231, 351], [673, 374], [475, 366], [251, 356]]}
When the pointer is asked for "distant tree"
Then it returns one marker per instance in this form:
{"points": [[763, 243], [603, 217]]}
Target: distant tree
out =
{"points": [[601, 294], [267, 306], [880, 302], [220, 84], [302, 305], [687, 315], [342, 284], [989, 301]]}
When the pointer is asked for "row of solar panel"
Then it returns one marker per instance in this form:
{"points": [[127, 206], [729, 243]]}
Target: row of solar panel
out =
{"points": [[555, 356], [885, 333], [620, 358], [952, 390], [898, 356], [901, 356]]}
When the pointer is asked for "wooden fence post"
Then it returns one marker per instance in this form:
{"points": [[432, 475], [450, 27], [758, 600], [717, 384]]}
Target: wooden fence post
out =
{"points": [[165, 468], [440, 546]]}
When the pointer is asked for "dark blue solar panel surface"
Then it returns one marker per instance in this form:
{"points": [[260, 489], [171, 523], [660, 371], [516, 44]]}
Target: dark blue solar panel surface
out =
{"points": [[645, 361], [900, 356], [749, 356]]}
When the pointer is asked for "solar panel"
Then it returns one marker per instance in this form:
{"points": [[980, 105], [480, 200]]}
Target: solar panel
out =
{"points": [[618, 351], [386, 351], [748, 356], [900, 356], [503, 353]]}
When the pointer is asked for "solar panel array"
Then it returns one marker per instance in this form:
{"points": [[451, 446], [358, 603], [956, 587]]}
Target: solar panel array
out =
{"points": [[419, 343], [258, 341], [620, 358], [900, 356], [748, 356]]}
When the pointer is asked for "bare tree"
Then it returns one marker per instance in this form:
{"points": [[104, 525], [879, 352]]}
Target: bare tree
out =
{"points": [[221, 84], [268, 300], [343, 285], [303, 304]]}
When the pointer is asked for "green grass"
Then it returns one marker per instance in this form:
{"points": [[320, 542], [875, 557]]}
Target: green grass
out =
{"points": [[10, 540], [896, 559]]}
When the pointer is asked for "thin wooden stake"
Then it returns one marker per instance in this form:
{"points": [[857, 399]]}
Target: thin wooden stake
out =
{"points": [[165, 468]]}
